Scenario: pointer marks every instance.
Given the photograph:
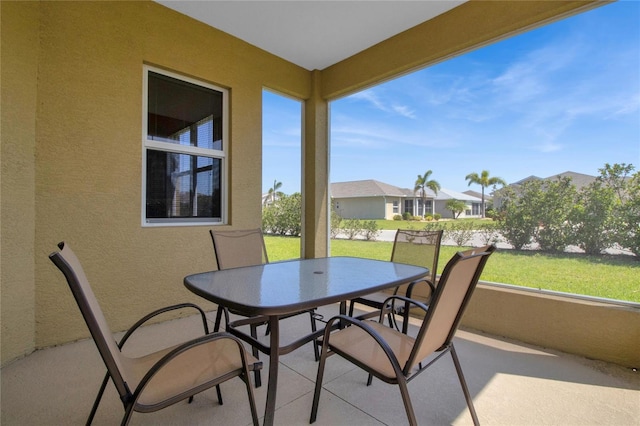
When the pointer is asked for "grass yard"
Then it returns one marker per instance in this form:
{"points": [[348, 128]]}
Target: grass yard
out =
{"points": [[613, 277]]}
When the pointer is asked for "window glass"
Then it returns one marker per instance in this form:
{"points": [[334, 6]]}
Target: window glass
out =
{"points": [[184, 150], [183, 113], [182, 186]]}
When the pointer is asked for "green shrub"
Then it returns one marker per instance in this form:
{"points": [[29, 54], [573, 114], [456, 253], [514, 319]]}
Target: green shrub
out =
{"points": [[460, 232], [437, 216], [352, 228], [557, 200], [336, 220], [397, 217], [428, 218], [488, 233], [370, 230], [434, 226], [518, 221], [284, 216]]}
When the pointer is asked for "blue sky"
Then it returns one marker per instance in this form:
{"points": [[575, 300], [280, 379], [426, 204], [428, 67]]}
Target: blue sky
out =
{"points": [[564, 97]]}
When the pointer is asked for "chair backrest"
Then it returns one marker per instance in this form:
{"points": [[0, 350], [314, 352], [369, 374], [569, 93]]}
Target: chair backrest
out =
{"points": [[234, 249], [419, 248], [70, 266], [457, 283]]}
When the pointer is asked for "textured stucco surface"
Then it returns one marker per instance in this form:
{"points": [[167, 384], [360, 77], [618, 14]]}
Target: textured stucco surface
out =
{"points": [[72, 147], [72, 144], [19, 50]]}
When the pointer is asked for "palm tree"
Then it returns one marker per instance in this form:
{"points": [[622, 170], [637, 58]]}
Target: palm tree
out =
{"points": [[273, 192], [484, 181], [422, 183]]}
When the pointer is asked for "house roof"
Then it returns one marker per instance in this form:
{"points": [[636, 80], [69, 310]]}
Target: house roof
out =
{"points": [[374, 188], [447, 194], [487, 197], [578, 179], [365, 188]]}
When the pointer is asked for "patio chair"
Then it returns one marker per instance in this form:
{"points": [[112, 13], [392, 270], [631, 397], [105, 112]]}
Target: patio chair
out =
{"points": [[420, 248], [396, 357], [237, 248], [159, 379]]}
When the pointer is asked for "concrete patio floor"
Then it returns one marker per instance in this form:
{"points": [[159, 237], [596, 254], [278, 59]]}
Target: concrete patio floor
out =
{"points": [[511, 384]]}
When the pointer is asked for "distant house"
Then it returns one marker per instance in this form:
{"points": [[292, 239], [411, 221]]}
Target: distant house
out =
{"points": [[580, 180], [474, 204], [372, 199]]}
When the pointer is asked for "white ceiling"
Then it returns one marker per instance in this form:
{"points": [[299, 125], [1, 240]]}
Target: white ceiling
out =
{"points": [[312, 34]]}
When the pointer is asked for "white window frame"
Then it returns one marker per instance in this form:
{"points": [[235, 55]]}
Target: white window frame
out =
{"points": [[183, 149]]}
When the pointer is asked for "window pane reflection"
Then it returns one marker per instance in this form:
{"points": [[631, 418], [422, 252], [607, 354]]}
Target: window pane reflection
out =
{"points": [[183, 186]]}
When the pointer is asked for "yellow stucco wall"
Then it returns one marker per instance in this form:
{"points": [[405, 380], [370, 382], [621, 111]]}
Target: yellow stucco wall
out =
{"points": [[19, 49], [590, 328], [86, 134]]}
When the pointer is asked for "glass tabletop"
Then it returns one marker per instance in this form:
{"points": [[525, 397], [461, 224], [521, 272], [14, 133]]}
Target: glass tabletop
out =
{"points": [[285, 287]]}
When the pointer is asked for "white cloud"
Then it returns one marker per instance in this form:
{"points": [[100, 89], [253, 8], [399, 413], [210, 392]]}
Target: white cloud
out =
{"points": [[372, 97]]}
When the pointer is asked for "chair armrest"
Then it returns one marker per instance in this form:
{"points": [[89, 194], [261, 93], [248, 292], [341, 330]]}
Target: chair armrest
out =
{"points": [[157, 312], [428, 282], [390, 302]]}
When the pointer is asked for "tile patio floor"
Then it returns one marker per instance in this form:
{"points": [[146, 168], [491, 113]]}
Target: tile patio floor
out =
{"points": [[511, 384]]}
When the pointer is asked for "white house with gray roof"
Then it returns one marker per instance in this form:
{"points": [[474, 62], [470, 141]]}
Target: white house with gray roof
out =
{"points": [[372, 199]]}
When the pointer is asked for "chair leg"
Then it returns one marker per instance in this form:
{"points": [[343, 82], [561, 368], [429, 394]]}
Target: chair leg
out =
{"points": [[351, 305], [128, 411], [256, 374], [252, 401], [406, 399], [463, 383], [98, 398], [318, 388], [219, 392]]}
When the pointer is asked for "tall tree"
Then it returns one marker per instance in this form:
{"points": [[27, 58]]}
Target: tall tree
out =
{"points": [[273, 192], [484, 181], [422, 183]]}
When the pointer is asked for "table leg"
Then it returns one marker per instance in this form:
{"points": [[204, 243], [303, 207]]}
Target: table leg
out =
{"points": [[343, 311], [274, 349]]}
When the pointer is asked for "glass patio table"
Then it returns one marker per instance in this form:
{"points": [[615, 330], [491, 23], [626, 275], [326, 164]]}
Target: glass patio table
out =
{"points": [[278, 289]]}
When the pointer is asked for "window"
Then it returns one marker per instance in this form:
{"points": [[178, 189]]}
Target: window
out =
{"points": [[184, 144], [428, 205], [408, 206], [477, 209], [395, 207]]}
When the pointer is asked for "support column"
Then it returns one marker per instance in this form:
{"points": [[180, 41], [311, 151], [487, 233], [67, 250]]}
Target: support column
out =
{"points": [[315, 151]]}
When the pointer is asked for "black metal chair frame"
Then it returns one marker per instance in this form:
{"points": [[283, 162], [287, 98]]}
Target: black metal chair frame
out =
{"points": [[407, 372], [128, 397]]}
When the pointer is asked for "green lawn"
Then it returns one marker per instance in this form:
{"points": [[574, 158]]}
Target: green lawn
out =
{"points": [[613, 277]]}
